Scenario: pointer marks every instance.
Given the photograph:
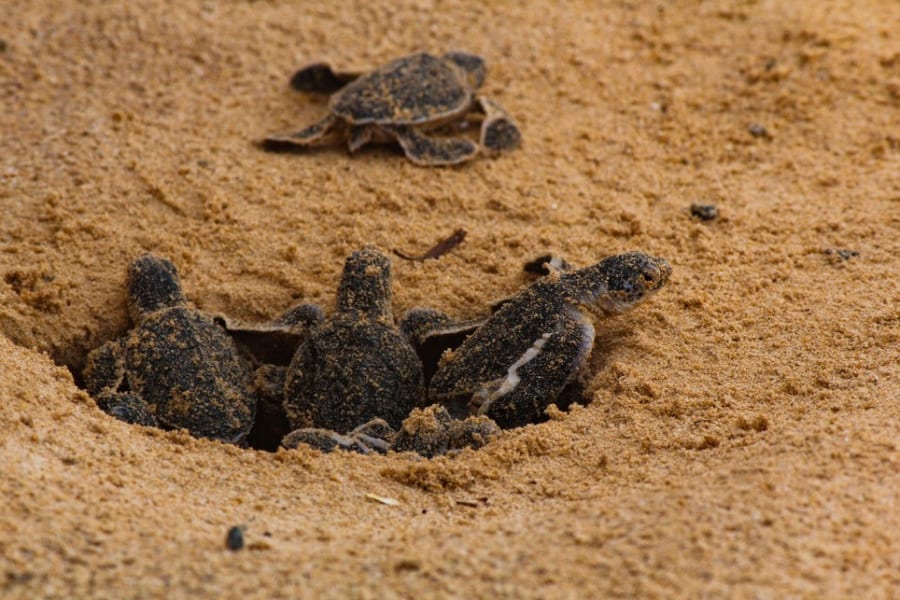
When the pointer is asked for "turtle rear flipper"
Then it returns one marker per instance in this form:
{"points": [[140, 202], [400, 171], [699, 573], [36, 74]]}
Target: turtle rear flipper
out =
{"points": [[360, 135], [309, 136], [498, 131], [432, 152]]}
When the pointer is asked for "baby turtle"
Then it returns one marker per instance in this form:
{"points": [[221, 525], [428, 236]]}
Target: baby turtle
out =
{"points": [[525, 355], [355, 377], [176, 368], [400, 101]]}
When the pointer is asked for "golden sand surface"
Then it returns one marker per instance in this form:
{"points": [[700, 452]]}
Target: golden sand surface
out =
{"points": [[742, 438]]}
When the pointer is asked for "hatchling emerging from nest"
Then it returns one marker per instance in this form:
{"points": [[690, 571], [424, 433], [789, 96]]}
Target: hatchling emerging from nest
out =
{"points": [[177, 368], [531, 351], [356, 377], [401, 101]]}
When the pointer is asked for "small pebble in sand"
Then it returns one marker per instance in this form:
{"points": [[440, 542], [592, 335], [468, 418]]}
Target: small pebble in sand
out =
{"points": [[546, 264], [758, 131], [841, 254], [234, 539], [704, 212]]}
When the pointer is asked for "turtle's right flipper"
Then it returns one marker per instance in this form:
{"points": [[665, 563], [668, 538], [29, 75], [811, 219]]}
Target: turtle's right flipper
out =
{"points": [[498, 131], [273, 342], [432, 152], [373, 436], [431, 333]]}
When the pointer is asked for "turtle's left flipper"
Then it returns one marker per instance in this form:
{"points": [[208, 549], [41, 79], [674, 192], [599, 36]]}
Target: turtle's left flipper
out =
{"points": [[498, 131], [316, 133], [320, 78]]}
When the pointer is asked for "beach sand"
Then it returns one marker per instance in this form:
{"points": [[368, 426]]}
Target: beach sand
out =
{"points": [[741, 438]]}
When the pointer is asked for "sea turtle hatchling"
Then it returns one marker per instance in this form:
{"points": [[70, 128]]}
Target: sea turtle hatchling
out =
{"points": [[531, 348], [355, 377], [400, 101], [176, 368]]}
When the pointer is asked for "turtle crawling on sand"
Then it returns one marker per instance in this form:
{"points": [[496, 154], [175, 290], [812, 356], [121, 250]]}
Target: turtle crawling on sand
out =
{"points": [[176, 368], [401, 101], [355, 378], [528, 353]]}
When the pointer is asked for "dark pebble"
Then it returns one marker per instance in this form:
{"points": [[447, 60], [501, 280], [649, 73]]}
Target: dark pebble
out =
{"points": [[758, 131], [704, 212], [235, 538], [841, 253]]}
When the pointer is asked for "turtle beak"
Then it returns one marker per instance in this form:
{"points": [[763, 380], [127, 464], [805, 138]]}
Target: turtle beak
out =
{"points": [[657, 274]]}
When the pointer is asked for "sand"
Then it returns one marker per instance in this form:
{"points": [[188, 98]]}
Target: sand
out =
{"points": [[742, 439]]}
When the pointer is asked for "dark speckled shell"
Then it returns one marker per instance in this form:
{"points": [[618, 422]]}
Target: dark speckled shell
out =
{"points": [[187, 367], [412, 90], [488, 353], [351, 370]]}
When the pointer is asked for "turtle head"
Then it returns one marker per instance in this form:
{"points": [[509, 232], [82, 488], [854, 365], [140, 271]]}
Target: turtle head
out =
{"points": [[152, 285], [618, 283], [471, 65], [366, 284]]}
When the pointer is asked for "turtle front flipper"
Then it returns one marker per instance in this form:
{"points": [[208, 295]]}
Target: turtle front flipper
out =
{"points": [[275, 341], [300, 318], [127, 407], [323, 440], [104, 376], [320, 78], [105, 369], [540, 374], [432, 332], [309, 136], [426, 325], [432, 152], [498, 131]]}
